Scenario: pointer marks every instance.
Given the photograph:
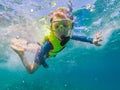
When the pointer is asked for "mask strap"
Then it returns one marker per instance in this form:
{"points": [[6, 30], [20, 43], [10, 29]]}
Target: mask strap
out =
{"points": [[70, 9]]}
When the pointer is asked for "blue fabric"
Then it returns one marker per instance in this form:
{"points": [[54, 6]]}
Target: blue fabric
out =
{"points": [[82, 38], [42, 53]]}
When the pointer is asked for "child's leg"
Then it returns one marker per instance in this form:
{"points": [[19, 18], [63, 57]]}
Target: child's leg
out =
{"points": [[31, 67]]}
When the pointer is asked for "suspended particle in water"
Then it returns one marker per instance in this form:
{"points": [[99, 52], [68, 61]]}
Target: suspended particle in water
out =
{"points": [[53, 4], [17, 37], [96, 79], [31, 10], [104, 10], [65, 85], [23, 81]]}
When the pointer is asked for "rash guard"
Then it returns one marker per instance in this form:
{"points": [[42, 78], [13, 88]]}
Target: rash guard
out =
{"points": [[43, 53]]}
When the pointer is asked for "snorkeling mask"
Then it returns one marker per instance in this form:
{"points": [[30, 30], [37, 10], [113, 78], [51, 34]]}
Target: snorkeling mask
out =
{"points": [[61, 25]]}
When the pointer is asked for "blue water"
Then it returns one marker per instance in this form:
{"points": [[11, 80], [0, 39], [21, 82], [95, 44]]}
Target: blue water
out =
{"points": [[80, 66]]}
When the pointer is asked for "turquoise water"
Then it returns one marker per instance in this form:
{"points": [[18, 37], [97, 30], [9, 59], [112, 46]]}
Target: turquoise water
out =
{"points": [[80, 66]]}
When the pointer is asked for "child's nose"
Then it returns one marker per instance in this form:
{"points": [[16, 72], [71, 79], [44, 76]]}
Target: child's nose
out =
{"points": [[61, 27]]}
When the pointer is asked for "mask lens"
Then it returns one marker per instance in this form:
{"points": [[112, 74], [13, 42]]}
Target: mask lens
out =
{"points": [[61, 25]]}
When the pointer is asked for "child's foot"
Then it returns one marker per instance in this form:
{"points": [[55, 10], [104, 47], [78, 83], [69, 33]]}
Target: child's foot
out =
{"points": [[19, 41], [18, 49]]}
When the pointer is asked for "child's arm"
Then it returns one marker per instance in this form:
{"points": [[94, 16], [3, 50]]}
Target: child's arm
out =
{"points": [[82, 38], [95, 40], [43, 53]]}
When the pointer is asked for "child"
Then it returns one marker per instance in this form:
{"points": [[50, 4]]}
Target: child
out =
{"points": [[61, 27]]}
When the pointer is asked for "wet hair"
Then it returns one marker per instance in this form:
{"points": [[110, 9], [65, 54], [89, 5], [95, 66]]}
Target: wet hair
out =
{"points": [[60, 13], [61, 9]]}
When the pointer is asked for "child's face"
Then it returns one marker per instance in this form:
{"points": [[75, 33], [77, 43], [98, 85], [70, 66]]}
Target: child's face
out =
{"points": [[61, 26]]}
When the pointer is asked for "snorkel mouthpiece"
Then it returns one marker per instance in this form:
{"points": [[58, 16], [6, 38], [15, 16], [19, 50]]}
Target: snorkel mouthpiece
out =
{"points": [[62, 36], [65, 39]]}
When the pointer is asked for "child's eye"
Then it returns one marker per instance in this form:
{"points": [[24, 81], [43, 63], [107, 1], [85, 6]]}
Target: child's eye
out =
{"points": [[56, 26], [65, 25]]}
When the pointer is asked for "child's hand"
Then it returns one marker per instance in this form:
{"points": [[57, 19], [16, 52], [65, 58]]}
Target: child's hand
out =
{"points": [[97, 39]]}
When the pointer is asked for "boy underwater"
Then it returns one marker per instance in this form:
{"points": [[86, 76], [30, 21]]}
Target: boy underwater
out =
{"points": [[61, 27]]}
